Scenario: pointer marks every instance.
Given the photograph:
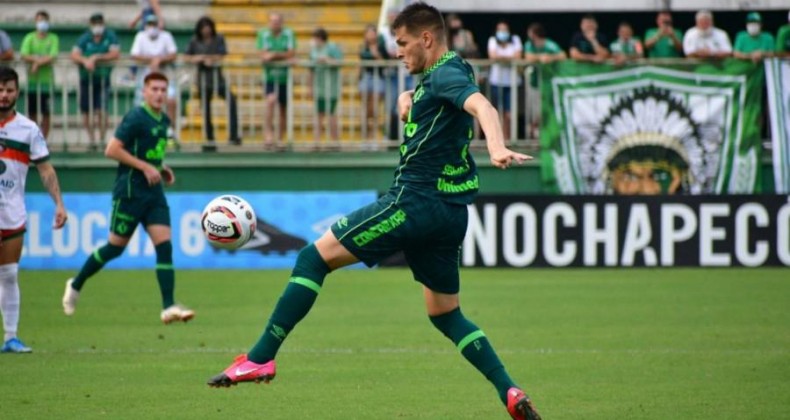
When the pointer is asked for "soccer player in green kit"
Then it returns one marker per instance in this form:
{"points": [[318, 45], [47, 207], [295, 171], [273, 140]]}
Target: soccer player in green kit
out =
{"points": [[423, 214], [138, 197]]}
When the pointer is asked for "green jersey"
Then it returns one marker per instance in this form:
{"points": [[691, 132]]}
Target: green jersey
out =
{"points": [[326, 78], [435, 155], [282, 42], [549, 47], [89, 46], [745, 43], [783, 39], [665, 46], [143, 133], [33, 45]]}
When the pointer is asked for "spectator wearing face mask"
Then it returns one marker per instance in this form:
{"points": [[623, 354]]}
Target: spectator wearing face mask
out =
{"points": [[504, 47], [39, 50], [95, 52], [155, 50], [706, 41], [753, 43], [783, 40]]}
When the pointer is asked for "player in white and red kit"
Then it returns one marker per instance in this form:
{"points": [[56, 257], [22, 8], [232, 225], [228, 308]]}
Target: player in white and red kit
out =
{"points": [[21, 142]]}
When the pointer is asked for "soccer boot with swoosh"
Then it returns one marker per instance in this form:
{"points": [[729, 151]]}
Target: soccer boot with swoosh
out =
{"points": [[244, 370]]}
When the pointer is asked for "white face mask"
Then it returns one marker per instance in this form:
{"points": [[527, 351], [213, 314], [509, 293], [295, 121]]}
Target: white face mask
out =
{"points": [[42, 26], [152, 31], [753, 28], [97, 30]]}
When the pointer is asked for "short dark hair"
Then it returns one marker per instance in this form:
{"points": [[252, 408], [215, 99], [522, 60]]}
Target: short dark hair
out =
{"points": [[418, 17], [42, 13], [537, 29], [321, 34], [7, 74], [155, 76], [590, 16], [624, 23]]}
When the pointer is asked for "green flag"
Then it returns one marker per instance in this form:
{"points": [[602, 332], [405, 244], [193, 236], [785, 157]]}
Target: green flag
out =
{"points": [[676, 128]]}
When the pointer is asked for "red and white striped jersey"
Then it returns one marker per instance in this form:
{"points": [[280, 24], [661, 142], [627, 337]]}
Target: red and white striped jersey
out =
{"points": [[21, 142]]}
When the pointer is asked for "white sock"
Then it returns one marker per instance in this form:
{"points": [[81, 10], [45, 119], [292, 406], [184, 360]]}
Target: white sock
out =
{"points": [[9, 299]]}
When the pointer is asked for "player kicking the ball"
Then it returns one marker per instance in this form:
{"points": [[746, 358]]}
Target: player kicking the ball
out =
{"points": [[423, 214], [21, 142], [139, 147]]}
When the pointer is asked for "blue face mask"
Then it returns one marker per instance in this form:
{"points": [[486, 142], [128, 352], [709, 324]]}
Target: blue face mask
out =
{"points": [[502, 36]]}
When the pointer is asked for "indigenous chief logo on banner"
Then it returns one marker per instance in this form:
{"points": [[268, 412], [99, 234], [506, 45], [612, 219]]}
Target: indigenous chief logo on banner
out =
{"points": [[777, 74], [679, 128]]}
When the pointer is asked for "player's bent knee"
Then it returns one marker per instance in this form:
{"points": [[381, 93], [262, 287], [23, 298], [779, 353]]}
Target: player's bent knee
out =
{"points": [[334, 254]]}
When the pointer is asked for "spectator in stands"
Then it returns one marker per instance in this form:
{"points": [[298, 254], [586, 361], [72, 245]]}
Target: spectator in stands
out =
{"points": [[6, 47], [277, 45], [754, 43], [538, 50], [706, 41], [371, 79], [207, 50], [147, 8], [392, 86], [155, 50], [460, 40], [626, 46], [783, 39], [325, 58], [94, 53], [39, 50], [664, 41], [588, 44], [504, 47]]}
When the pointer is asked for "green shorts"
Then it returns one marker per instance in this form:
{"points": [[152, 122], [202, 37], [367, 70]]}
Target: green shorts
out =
{"points": [[321, 105], [429, 231], [127, 213]]}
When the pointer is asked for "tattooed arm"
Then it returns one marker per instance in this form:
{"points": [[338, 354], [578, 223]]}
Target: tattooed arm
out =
{"points": [[50, 180]]}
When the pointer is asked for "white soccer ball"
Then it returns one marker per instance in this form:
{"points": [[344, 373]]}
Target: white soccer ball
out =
{"points": [[228, 222]]}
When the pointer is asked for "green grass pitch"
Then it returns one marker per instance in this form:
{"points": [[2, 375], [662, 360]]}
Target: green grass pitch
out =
{"points": [[591, 344]]}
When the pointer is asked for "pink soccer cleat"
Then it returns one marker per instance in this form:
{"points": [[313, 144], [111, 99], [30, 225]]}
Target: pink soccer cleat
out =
{"points": [[520, 406], [243, 370]]}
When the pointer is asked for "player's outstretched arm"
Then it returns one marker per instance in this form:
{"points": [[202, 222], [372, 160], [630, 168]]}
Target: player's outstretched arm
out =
{"points": [[501, 157], [50, 180], [116, 151]]}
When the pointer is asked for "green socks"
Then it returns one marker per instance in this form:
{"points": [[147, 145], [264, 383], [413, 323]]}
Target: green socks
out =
{"points": [[300, 294], [95, 262], [475, 347], [164, 272]]}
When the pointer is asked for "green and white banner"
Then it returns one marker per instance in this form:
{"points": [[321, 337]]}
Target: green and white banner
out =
{"points": [[777, 75], [677, 128]]}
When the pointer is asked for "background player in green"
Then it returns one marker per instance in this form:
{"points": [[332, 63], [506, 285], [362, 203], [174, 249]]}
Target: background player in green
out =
{"points": [[39, 49], [139, 147], [753, 43], [277, 45], [783, 39], [424, 213]]}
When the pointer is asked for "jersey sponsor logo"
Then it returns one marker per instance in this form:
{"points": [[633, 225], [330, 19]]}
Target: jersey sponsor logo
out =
{"points": [[385, 226], [157, 153], [453, 188], [450, 170]]}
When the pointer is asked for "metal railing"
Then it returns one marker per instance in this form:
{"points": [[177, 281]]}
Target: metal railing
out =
{"points": [[360, 96]]}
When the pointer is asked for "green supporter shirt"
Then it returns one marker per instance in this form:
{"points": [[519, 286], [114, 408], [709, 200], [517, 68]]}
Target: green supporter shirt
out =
{"points": [[435, 157], [33, 45], [143, 133], [326, 78], [284, 42], [745, 43], [783, 39], [549, 47], [90, 46], [664, 47]]}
